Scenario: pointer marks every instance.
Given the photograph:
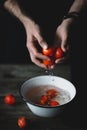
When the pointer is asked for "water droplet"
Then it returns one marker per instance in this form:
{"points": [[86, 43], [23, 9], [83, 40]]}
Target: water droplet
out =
{"points": [[50, 73]]}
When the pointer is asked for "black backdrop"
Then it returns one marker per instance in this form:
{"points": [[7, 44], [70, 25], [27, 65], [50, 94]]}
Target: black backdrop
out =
{"points": [[13, 50], [12, 34], [12, 40]]}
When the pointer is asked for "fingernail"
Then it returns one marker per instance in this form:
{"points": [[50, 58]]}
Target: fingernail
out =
{"points": [[45, 46]]}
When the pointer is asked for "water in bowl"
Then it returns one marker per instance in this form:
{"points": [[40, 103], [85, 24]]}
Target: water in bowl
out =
{"points": [[34, 94]]}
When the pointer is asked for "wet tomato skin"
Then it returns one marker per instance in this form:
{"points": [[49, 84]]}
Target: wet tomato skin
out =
{"points": [[54, 103], [59, 53], [10, 99], [52, 92], [22, 122], [48, 62], [44, 100], [48, 52]]}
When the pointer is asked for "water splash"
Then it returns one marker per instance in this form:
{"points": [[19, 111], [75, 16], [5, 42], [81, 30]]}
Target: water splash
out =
{"points": [[50, 73]]}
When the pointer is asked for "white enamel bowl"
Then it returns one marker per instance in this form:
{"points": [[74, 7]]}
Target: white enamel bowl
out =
{"points": [[44, 111]]}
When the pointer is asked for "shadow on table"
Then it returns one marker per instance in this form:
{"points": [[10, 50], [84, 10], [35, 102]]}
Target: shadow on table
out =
{"points": [[75, 115]]}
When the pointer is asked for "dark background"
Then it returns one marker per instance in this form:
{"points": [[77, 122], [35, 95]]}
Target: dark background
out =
{"points": [[12, 40], [13, 50], [12, 34]]}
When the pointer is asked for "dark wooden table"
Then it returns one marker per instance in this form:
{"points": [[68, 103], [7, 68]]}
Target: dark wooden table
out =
{"points": [[11, 79]]}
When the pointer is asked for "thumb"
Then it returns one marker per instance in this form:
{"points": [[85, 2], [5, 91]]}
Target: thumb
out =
{"points": [[64, 45], [41, 41]]}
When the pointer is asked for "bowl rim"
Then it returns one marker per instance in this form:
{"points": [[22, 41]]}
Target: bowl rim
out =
{"points": [[38, 105]]}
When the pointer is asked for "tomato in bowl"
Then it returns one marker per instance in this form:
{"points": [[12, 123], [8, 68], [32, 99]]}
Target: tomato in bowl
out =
{"points": [[47, 96]]}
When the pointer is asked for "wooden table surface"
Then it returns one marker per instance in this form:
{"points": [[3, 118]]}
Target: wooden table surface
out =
{"points": [[11, 79]]}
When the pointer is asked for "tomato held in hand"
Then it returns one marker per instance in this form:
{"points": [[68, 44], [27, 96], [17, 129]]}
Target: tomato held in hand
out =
{"points": [[48, 52], [48, 62], [22, 122], [10, 99], [59, 53]]}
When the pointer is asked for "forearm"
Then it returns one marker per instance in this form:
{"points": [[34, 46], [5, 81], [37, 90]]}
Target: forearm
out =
{"points": [[13, 7], [78, 6], [74, 12]]}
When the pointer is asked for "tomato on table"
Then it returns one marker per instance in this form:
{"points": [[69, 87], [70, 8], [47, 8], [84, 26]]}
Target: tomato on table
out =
{"points": [[59, 53], [22, 122], [10, 99]]}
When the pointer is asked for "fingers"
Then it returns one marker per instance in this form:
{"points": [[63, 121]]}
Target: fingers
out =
{"points": [[36, 57], [64, 58], [33, 39], [37, 61], [60, 60], [65, 45], [41, 41], [35, 53]]}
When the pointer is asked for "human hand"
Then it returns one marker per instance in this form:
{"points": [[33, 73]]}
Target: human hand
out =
{"points": [[34, 39], [62, 38]]}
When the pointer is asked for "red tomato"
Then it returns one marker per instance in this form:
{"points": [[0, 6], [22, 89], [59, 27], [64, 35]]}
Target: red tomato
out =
{"points": [[44, 99], [48, 62], [48, 52], [54, 103], [52, 92], [59, 53], [10, 99], [22, 122]]}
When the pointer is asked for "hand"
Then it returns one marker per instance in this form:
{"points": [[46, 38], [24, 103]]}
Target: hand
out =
{"points": [[34, 39], [62, 37]]}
